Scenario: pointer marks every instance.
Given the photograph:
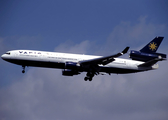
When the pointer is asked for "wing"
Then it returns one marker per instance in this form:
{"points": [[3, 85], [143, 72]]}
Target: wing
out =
{"points": [[103, 60]]}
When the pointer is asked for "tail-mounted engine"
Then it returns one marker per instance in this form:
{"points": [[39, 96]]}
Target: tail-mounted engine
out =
{"points": [[148, 52], [140, 56]]}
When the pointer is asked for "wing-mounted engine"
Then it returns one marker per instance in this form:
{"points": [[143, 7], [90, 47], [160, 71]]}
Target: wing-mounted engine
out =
{"points": [[140, 56], [72, 65], [69, 72], [71, 68]]}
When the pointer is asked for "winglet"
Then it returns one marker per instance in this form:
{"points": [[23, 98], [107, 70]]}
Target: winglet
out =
{"points": [[125, 50]]}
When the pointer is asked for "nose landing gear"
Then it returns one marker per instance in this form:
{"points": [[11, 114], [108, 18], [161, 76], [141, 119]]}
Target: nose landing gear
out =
{"points": [[23, 67]]}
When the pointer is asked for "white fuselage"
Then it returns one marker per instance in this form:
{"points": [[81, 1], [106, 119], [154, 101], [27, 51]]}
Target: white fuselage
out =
{"points": [[58, 60]]}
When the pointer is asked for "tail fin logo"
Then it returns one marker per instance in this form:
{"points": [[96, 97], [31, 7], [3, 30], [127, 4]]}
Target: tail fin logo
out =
{"points": [[153, 46]]}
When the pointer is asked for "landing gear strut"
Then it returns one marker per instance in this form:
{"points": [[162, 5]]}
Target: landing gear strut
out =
{"points": [[23, 71]]}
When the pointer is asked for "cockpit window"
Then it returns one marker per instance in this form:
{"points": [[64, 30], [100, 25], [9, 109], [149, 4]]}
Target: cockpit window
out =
{"points": [[8, 53]]}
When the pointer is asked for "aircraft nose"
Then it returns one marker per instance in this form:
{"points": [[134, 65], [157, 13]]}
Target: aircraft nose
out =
{"points": [[3, 56], [6, 56]]}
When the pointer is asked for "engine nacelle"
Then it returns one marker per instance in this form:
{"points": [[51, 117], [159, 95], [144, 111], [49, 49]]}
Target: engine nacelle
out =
{"points": [[69, 72], [140, 56], [71, 65]]}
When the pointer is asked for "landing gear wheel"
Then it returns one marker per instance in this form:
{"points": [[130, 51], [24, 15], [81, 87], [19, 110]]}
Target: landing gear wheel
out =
{"points": [[90, 79], [23, 71], [85, 78]]}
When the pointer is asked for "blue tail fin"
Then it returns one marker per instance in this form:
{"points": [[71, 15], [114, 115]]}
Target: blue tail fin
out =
{"points": [[152, 46]]}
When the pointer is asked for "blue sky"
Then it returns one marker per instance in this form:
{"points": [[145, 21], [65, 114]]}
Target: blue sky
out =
{"points": [[100, 27], [58, 21]]}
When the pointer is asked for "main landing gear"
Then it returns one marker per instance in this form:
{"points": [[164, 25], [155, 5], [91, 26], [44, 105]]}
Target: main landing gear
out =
{"points": [[89, 76], [23, 67]]}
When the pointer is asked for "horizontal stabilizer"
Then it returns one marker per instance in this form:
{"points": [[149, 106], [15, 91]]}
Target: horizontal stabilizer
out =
{"points": [[151, 62]]}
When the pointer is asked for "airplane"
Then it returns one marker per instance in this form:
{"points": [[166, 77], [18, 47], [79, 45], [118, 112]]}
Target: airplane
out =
{"points": [[74, 64]]}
